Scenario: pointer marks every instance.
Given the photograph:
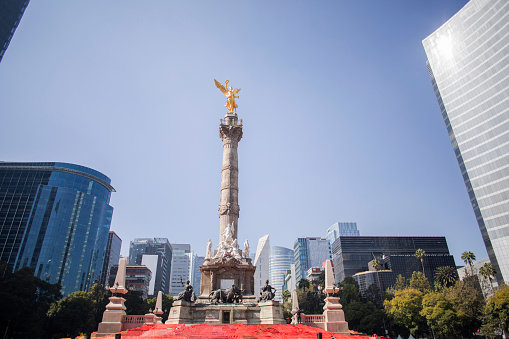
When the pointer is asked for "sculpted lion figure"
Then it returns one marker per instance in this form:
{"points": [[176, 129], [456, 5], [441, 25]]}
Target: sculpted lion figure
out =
{"points": [[230, 295]]}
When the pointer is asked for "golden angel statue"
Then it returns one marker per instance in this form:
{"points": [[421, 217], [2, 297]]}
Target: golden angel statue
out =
{"points": [[229, 92]]}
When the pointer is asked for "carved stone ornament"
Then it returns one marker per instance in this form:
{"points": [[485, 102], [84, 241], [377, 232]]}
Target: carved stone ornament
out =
{"points": [[230, 132], [229, 208]]}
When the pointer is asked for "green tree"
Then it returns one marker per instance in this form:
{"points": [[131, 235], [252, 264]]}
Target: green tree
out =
{"points": [[134, 303], [22, 297], [419, 282], [468, 257], [405, 309], [73, 315], [445, 276], [488, 272], [497, 309], [420, 254], [468, 301], [310, 301], [374, 296], [167, 302], [364, 317], [441, 315], [401, 283], [349, 292], [303, 283], [285, 295]]}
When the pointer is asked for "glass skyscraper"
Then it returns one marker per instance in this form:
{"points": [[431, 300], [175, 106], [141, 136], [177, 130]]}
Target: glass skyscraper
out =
{"points": [[111, 257], [281, 259], [55, 218], [310, 252], [343, 229], [11, 12], [468, 62]]}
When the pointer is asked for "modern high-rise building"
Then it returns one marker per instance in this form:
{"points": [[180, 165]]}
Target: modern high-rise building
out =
{"points": [[343, 229], [111, 257], [351, 255], [468, 62], [180, 267], [281, 259], [11, 12], [55, 218], [310, 252], [137, 278], [262, 263], [194, 271], [156, 255]]}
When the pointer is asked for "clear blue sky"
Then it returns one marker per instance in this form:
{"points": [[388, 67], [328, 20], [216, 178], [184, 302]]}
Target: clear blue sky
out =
{"points": [[340, 120]]}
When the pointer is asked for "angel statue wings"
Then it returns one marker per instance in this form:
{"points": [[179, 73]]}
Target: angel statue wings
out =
{"points": [[229, 92]]}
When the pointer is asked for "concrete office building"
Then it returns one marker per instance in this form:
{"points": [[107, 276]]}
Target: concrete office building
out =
{"points": [[55, 218], [156, 255], [137, 278], [468, 62]]}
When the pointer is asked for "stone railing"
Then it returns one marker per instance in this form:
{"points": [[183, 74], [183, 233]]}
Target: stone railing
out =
{"points": [[133, 319], [314, 318]]}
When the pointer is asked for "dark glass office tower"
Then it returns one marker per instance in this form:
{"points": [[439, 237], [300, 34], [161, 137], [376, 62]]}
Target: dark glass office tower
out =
{"points": [[111, 257], [11, 12], [55, 218], [351, 255]]}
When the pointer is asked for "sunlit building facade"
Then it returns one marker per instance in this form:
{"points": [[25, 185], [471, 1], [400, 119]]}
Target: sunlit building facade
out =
{"points": [[111, 257], [262, 263], [342, 228], [310, 252], [281, 259], [55, 218], [468, 62]]}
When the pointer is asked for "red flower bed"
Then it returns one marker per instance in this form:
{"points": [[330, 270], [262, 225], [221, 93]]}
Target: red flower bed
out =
{"points": [[231, 331]]}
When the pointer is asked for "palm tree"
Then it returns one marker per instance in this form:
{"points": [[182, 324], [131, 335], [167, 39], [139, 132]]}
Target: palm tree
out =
{"points": [[377, 266], [468, 257], [420, 254], [488, 272], [446, 276]]}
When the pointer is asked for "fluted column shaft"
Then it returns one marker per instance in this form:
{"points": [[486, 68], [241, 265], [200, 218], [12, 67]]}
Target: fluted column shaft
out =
{"points": [[230, 133]]}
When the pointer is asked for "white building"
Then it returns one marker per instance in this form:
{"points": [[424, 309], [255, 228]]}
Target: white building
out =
{"points": [[281, 259], [468, 60], [262, 263]]}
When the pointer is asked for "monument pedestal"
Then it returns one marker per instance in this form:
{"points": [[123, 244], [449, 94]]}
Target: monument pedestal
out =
{"points": [[112, 317], [334, 316], [183, 312], [271, 313], [221, 273]]}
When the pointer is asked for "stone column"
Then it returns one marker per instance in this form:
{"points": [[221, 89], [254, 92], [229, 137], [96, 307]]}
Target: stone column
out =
{"points": [[230, 131]]}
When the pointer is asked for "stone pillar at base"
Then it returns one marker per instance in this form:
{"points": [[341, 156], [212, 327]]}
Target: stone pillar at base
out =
{"points": [[334, 317], [180, 313], [112, 317], [271, 312]]}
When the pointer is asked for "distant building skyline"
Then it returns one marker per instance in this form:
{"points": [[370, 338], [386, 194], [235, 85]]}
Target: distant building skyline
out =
{"points": [[11, 13], [137, 277], [467, 63]]}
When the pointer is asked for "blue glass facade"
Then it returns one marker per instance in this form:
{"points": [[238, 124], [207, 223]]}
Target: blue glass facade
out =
{"points": [[55, 218], [281, 259], [310, 252]]}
